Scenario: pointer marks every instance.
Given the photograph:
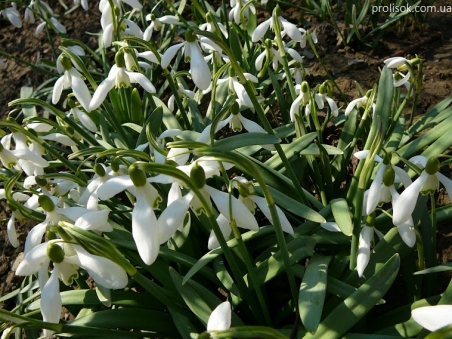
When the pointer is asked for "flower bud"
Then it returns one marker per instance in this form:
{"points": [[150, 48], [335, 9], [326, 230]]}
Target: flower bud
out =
{"points": [[209, 17], [369, 93], [370, 220], [190, 36], [137, 175], [322, 89], [415, 61], [55, 253], [277, 12], [119, 59], [115, 165], [71, 103], [198, 175], [66, 62], [432, 165], [99, 170], [304, 87], [41, 181], [389, 177], [51, 235], [46, 203]]}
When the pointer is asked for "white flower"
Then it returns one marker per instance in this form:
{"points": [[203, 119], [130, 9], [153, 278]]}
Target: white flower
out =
{"points": [[302, 99], [433, 318], [322, 96], [84, 4], [199, 69], [427, 183], [236, 10], [220, 318], [360, 102], [288, 28], [119, 76], [157, 23], [72, 79], [396, 62], [12, 14]]}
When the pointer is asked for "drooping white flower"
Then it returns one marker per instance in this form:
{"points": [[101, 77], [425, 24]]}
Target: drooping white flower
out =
{"points": [[199, 70], [239, 7], [302, 99], [287, 28], [426, 183], [157, 23], [84, 4], [12, 15], [220, 318], [358, 103], [322, 96], [119, 76], [433, 318]]}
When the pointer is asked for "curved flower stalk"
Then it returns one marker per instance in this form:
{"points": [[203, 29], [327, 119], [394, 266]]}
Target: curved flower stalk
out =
{"points": [[157, 24], [119, 76], [199, 70], [287, 28], [12, 15], [241, 6], [433, 318], [71, 79], [426, 183], [66, 259]]}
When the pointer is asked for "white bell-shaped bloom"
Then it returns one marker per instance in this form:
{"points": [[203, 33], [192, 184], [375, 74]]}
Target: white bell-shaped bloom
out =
{"points": [[72, 79], [12, 15], [288, 28], [433, 318], [237, 10], [220, 318], [157, 23]]}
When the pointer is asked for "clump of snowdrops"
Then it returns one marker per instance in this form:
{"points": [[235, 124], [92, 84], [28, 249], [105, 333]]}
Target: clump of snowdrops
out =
{"points": [[183, 184]]}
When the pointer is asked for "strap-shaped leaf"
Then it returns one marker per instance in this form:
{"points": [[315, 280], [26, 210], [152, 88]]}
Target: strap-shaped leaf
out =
{"points": [[341, 213], [313, 291], [352, 309], [248, 139]]}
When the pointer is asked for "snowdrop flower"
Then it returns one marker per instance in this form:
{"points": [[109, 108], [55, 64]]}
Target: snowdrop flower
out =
{"points": [[77, 50], [366, 241], [427, 183], [358, 103], [182, 92], [433, 318], [210, 27], [81, 116], [157, 24], [299, 72], [11, 225], [288, 28], [66, 260], [199, 69], [84, 4], [220, 318], [119, 76], [322, 96], [236, 10], [54, 23], [302, 99], [29, 16], [12, 15], [71, 79]]}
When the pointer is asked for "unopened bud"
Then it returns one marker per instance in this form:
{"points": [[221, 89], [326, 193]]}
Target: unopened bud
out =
{"points": [[190, 36], [389, 177], [137, 175], [41, 181], [66, 62], [55, 253], [46, 203], [432, 165], [71, 103], [115, 165], [322, 89], [277, 11], [119, 59], [51, 235], [304, 87], [99, 170], [198, 175], [370, 220]]}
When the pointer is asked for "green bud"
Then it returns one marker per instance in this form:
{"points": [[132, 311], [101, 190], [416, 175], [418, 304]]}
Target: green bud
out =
{"points": [[41, 181], [71, 103], [55, 253], [209, 17], [387, 159], [198, 175], [119, 59], [322, 89], [304, 87], [370, 220], [51, 235], [277, 11], [153, 17], [115, 165], [415, 61], [135, 106], [137, 175], [190, 36], [432, 165], [268, 43], [369, 93], [46, 203], [66, 62], [235, 109], [389, 177], [99, 170]]}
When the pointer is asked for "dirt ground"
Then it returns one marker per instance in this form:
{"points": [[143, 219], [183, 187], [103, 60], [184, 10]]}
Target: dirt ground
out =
{"points": [[347, 65]]}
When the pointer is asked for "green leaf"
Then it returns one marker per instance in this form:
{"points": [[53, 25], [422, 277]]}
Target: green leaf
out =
{"points": [[341, 213], [298, 249], [444, 333], [290, 150], [352, 309], [436, 269], [313, 291], [313, 149], [248, 139]]}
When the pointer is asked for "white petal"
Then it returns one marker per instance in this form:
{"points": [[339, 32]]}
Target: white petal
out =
{"points": [[291, 30], [405, 204], [142, 80], [262, 204], [373, 197], [86, 121], [220, 319], [225, 229], [419, 160], [34, 237], [446, 182], [92, 220], [331, 226], [51, 299], [150, 56], [352, 105], [365, 239], [107, 35], [145, 229], [260, 30], [433, 317], [11, 231], [294, 108], [134, 4], [33, 260], [13, 16], [169, 19], [406, 231], [251, 126], [80, 89], [199, 69], [240, 213], [333, 106], [402, 176], [57, 90], [260, 60], [172, 218], [395, 62], [114, 186], [134, 29], [170, 54], [104, 271], [102, 90]]}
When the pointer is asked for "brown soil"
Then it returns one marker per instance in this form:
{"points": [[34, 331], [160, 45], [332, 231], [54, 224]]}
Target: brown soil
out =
{"points": [[347, 65]]}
